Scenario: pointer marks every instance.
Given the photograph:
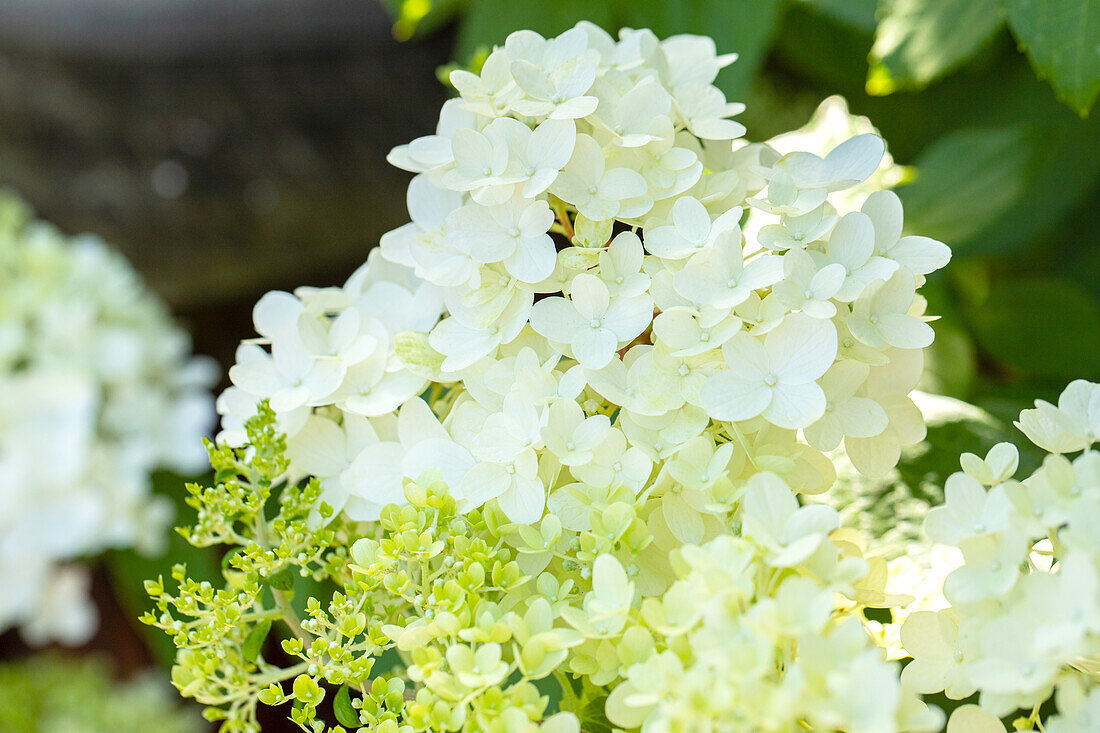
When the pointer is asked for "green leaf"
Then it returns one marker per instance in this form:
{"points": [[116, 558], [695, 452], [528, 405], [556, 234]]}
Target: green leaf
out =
{"points": [[859, 14], [966, 180], [918, 41], [254, 642], [1040, 327], [744, 27], [1062, 39], [1071, 144], [346, 714]]}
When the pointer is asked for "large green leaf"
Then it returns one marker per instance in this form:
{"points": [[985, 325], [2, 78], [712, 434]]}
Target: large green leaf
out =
{"points": [[966, 180], [1062, 39], [1062, 174], [1040, 328], [918, 41]]}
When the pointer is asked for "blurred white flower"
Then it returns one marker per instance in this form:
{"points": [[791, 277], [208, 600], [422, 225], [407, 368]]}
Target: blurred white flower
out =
{"points": [[99, 390]]}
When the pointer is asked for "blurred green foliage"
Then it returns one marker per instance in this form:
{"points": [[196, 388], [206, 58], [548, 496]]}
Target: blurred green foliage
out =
{"points": [[49, 693], [128, 569], [987, 99]]}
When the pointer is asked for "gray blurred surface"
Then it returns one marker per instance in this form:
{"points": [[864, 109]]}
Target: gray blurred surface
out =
{"points": [[160, 29], [223, 173]]}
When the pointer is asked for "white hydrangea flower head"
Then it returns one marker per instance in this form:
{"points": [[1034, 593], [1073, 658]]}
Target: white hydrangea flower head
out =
{"points": [[585, 197], [608, 362], [626, 337], [99, 390], [1024, 614]]}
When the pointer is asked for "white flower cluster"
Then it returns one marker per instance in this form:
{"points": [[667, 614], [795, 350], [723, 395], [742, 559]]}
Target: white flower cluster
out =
{"points": [[1024, 618], [750, 634], [578, 293], [97, 389]]}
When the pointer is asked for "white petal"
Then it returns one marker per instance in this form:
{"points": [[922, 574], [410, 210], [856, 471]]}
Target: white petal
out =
{"points": [[594, 347], [483, 482], [874, 456], [922, 255], [621, 183], [684, 522], [795, 405], [417, 422], [274, 311], [524, 502], [905, 332], [552, 143], [691, 219], [449, 457], [862, 417], [884, 209], [556, 319], [726, 396], [629, 317], [319, 448], [747, 357], [533, 261], [462, 345], [801, 348], [825, 434], [855, 160], [590, 296], [428, 204]]}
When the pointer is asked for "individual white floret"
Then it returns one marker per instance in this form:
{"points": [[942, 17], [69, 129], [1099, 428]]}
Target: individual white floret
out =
{"points": [[771, 517], [489, 93], [514, 233], [889, 384], [620, 266], [799, 182], [590, 322], [434, 151], [774, 377], [635, 118], [881, 315], [615, 463], [846, 414], [508, 464], [535, 155], [720, 278], [481, 167], [798, 231], [807, 287], [555, 74], [852, 246], [920, 255], [1071, 426], [587, 183], [690, 230], [570, 435]]}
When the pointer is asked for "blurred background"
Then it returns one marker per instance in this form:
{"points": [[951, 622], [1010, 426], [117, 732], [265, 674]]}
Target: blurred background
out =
{"points": [[229, 148]]}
